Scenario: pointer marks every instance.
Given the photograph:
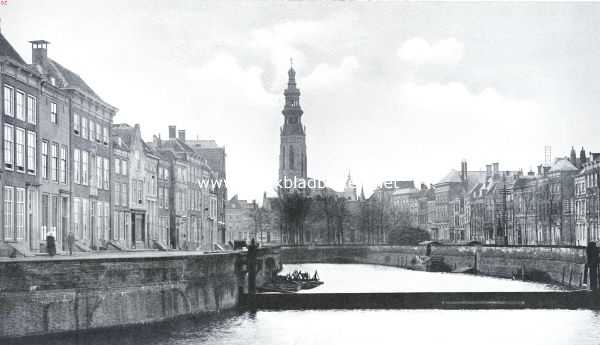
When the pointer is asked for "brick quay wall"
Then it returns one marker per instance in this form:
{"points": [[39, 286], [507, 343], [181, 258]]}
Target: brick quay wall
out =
{"points": [[43, 296], [557, 265]]}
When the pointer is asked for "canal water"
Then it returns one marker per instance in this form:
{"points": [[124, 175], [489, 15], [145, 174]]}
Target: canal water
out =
{"points": [[372, 327]]}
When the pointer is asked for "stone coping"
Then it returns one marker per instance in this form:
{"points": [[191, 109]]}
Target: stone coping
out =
{"points": [[116, 256]]}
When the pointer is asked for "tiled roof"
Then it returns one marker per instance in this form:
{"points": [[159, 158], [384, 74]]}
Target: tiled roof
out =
{"points": [[563, 164], [69, 79], [452, 177], [6, 49], [203, 144]]}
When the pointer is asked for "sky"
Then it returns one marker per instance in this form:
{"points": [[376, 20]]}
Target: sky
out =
{"points": [[390, 90]]}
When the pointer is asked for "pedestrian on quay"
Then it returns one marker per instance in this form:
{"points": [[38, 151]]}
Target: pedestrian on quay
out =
{"points": [[51, 243], [70, 242]]}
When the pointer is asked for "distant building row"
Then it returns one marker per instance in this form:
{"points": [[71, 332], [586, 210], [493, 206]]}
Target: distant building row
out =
{"points": [[557, 205]]}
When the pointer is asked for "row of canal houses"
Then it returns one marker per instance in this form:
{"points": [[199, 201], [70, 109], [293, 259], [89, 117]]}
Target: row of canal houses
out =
{"points": [[68, 168], [557, 205]]}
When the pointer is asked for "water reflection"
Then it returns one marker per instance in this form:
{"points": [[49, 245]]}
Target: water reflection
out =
{"points": [[335, 327]]}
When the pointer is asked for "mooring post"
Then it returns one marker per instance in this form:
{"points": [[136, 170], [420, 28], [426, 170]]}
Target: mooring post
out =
{"points": [[252, 274], [592, 263]]}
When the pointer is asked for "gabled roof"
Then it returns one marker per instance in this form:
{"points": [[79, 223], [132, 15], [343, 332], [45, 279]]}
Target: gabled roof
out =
{"points": [[148, 150], [452, 177], [69, 79], [563, 165], [6, 49], [124, 131], [523, 181]]}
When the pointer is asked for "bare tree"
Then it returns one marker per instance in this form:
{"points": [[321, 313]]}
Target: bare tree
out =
{"points": [[293, 207]]}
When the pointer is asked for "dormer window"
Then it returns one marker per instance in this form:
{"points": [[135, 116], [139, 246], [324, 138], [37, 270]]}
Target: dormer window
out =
{"points": [[53, 81]]}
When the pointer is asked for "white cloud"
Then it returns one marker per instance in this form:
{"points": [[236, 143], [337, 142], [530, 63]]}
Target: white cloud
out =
{"points": [[297, 40], [325, 75], [419, 51]]}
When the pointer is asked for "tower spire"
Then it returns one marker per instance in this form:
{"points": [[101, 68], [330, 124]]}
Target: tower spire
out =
{"points": [[292, 159]]}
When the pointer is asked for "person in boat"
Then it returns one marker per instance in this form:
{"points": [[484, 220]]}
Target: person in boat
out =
{"points": [[316, 276]]}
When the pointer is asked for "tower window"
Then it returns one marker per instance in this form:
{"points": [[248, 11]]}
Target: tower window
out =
{"points": [[291, 157]]}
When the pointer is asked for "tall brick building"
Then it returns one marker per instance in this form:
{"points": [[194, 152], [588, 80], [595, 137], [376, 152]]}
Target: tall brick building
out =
{"points": [[56, 154]]}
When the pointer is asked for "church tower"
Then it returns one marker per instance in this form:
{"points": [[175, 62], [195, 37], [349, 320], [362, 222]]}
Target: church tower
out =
{"points": [[292, 148]]}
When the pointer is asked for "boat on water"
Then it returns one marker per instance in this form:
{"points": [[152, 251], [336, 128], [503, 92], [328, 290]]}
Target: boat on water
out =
{"points": [[291, 283]]}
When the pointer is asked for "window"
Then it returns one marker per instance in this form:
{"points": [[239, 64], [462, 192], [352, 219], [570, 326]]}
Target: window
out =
{"points": [[117, 193], [20, 220], [20, 150], [106, 220], [9, 104], [106, 183], [31, 109], [117, 166], [85, 164], [53, 113], [31, 152], [8, 213], [99, 219], [54, 162], [63, 164], [116, 225], [124, 168], [105, 135], [76, 123], [76, 166], [99, 172], [92, 130], [20, 105], [124, 200], [85, 217], [45, 159], [138, 191], [98, 132], [84, 127], [8, 146]]}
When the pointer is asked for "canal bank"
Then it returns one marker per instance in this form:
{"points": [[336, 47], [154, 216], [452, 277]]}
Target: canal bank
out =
{"points": [[42, 296], [555, 265]]}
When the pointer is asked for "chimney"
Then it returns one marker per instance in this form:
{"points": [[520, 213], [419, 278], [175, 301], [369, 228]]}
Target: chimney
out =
{"points": [[539, 168], [181, 134], [463, 170], [156, 140], [172, 131], [488, 170], [496, 168], [530, 173], [39, 52]]}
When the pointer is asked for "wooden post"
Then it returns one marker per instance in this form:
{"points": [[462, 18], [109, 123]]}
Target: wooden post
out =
{"points": [[592, 263], [251, 257]]}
